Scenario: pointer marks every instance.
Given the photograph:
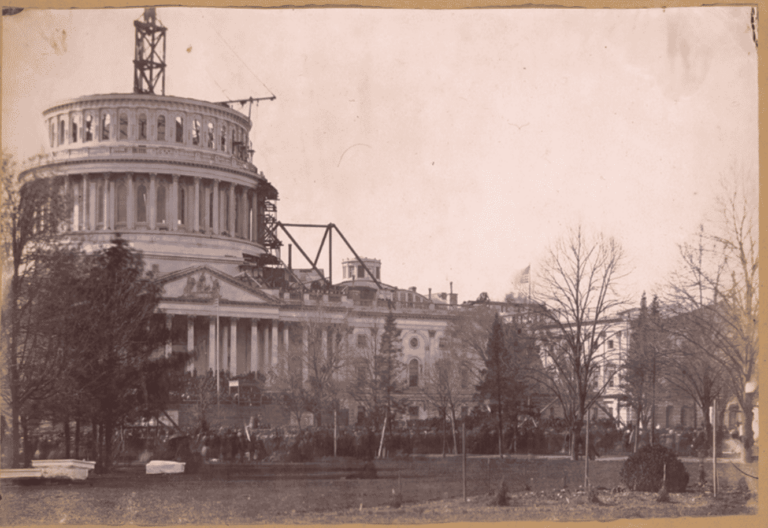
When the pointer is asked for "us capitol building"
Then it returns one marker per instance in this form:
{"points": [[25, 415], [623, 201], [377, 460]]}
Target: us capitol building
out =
{"points": [[174, 177]]}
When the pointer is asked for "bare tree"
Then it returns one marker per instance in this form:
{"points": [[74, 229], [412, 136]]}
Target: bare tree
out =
{"points": [[375, 373], [468, 332], [32, 212], [447, 386], [577, 284], [717, 289]]}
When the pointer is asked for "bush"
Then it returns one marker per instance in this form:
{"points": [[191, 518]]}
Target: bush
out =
{"points": [[644, 470], [501, 497]]}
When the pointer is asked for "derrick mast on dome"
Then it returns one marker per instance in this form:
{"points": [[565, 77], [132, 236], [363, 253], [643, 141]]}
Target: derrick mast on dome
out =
{"points": [[149, 64]]}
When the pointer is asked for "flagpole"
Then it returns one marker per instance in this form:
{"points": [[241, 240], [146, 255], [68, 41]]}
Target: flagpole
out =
{"points": [[218, 377]]}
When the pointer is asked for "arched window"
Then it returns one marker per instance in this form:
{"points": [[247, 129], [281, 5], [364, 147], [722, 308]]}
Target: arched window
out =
{"points": [[141, 203], [123, 128], [75, 128], [122, 202], [161, 205], [143, 127], [61, 132], [179, 130], [413, 373], [210, 136], [182, 205], [223, 141], [161, 128], [195, 132], [88, 132], [106, 122]]}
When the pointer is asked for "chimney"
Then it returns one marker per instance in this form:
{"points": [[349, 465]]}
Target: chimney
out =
{"points": [[454, 299], [430, 294], [413, 289]]}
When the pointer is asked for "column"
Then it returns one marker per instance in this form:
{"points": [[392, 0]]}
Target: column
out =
{"points": [[232, 209], [196, 207], [111, 202], [131, 205], [266, 362], [430, 347], [215, 199], [274, 343], [174, 213], [152, 205], [67, 226], [224, 347], [169, 343], [255, 352], [233, 346], [75, 205], [286, 336], [92, 204], [212, 344], [324, 342], [305, 353], [107, 202], [191, 343], [254, 219]]}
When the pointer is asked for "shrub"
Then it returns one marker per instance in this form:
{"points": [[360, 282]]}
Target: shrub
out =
{"points": [[644, 470], [501, 497]]}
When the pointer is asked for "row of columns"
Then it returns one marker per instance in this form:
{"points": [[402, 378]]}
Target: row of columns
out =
{"points": [[97, 206], [267, 337]]}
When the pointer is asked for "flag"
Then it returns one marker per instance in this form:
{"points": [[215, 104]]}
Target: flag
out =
{"points": [[525, 276]]}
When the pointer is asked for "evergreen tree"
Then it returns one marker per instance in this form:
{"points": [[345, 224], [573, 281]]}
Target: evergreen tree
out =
{"points": [[390, 366], [504, 378], [118, 372]]}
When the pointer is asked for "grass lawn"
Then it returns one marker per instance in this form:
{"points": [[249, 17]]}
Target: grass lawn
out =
{"points": [[320, 492]]}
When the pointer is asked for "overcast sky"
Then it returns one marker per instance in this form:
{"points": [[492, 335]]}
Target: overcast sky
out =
{"points": [[455, 146]]}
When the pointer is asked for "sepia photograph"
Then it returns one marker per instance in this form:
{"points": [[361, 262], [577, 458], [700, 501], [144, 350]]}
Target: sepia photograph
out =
{"points": [[379, 266]]}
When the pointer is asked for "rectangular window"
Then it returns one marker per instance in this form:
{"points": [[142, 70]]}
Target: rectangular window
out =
{"points": [[610, 344], [413, 412], [360, 271], [61, 132], [362, 340]]}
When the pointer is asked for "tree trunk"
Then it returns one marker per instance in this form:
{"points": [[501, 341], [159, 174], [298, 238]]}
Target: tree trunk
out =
{"points": [[67, 445], [27, 456], [77, 439], [15, 434], [453, 431], [748, 438], [637, 430], [445, 418], [501, 433], [108, 445]]}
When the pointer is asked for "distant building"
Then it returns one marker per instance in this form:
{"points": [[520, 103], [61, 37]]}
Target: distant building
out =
{"points": [[174, 177]]}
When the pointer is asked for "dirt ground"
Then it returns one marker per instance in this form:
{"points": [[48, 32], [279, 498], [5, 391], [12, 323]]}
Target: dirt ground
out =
{"points": [[330, 491]]}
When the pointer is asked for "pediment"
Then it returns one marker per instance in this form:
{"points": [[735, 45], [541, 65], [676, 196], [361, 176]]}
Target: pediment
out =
{"points": [[204, 284]]}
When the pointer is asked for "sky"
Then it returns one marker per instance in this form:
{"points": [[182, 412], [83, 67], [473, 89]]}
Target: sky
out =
{"points": [[455, 146]]}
